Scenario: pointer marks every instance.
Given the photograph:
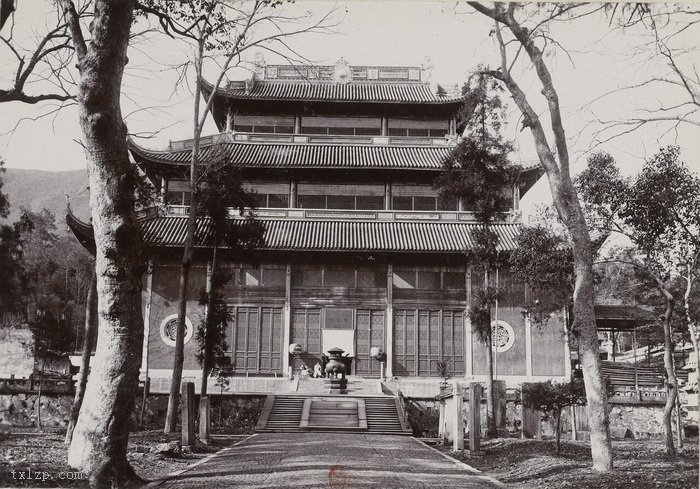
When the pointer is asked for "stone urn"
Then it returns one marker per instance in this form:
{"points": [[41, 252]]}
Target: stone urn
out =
{"points": [[335, 363]]}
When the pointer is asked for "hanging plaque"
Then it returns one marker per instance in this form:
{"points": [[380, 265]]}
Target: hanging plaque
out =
{"points": [[338, 319]]}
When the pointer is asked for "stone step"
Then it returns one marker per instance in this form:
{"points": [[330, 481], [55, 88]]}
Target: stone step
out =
{"points": [[329, 413]]}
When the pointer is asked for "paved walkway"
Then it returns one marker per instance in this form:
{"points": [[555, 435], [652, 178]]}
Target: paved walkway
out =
{"points": [[328, 460]]}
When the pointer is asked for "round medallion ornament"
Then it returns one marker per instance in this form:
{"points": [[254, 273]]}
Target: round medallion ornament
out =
{"points": [[168, 330], [502, 335]]}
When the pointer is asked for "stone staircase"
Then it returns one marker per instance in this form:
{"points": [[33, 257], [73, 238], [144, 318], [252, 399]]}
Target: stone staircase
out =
{"points": [[338, 413]]}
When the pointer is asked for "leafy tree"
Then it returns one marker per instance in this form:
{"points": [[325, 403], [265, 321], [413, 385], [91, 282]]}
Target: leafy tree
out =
{"points": [[53, 338], [543, 260], [527, 28], [479, 173], [222, 189], [10, 256], [227, 30], [552, 397], [657, 211], [56, 270]]}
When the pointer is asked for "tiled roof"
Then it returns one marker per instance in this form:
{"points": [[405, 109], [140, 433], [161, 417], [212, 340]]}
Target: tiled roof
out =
{"points": [[319, 235], [419, 93], [291, 155], [622, 312]]}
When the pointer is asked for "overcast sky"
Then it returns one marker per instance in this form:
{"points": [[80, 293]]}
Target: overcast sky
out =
{"points": [[602, 59]]}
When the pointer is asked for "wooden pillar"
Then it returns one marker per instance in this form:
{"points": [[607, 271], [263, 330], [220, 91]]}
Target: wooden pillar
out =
{"points": [[528, 346], [636, 376], [187, 397], [385, 125], [389, 322], [468, 340], [204, 419], [292, 193], [387, 196], [442, 432], [474, 417], [287, 327], [458, 420], [297, 124], [147, 318]]}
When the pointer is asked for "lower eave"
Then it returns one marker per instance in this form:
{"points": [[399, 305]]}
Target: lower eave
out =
{"points": [[320, 235]]}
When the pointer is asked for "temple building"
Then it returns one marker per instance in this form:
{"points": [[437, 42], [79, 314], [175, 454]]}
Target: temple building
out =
{"points": [[360, 252]]}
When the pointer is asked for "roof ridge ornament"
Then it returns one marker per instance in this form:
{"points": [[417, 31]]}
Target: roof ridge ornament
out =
{"points": [[259, 65], [426, 70], [342, 72]]}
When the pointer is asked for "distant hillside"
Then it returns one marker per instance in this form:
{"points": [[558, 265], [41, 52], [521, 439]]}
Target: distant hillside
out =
{"points": [[36, 189]]}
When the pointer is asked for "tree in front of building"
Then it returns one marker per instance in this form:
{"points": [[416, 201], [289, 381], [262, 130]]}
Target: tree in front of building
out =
{"points": [[543, 260], [221, 189], [551, 398], [101, 435], [528, 30], [656, 210], [222, 29], [479, 173]]}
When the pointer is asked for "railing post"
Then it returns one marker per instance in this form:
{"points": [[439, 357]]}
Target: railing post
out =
{"points": [[188, 435], [474, 417]]}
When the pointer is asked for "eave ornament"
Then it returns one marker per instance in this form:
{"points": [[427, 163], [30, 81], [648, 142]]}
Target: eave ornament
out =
{"points": [[341, 72]]}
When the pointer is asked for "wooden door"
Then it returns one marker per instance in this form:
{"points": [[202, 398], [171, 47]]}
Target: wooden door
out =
{"points": [[369, 332]]}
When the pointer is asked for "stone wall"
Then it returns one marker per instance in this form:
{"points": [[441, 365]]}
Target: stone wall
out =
{"points": [[20, 410], [230, 413], [237, 413], [637, 421]]}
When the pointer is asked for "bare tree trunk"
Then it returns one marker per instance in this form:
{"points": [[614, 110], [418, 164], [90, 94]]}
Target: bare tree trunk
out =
{"points": [[101, 435], [679, 422], [88, 340], [671, 383], [557, 413], [38, 397], [568, 207], [208, 336], [186, 264], [490, 398]]}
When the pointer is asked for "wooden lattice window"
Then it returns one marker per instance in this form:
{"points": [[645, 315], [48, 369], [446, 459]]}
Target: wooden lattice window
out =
{"points": [[256, 339], [423, 337]]}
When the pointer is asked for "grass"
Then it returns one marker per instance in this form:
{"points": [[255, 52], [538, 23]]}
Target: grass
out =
{"points": [[639, 464], [44, 451]]}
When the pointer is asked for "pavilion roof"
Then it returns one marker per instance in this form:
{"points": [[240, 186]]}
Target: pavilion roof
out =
{"points": [[621, 316], [327, 91], [324, 235], [293, 155], [296, 155]]}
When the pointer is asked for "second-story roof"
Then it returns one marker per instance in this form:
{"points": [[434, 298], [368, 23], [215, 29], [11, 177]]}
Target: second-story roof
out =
{"points": [[304, 155]]}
